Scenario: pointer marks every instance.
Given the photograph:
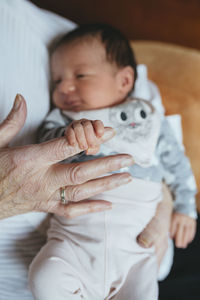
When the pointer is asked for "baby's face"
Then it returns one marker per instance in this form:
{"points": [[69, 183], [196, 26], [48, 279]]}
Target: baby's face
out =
{"points": [[83, 78]]}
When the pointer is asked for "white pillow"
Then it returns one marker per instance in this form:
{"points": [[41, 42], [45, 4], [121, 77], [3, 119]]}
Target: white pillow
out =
{"points": [[25, 32]]}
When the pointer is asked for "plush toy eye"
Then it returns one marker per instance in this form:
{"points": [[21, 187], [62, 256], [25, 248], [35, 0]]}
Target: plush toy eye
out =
{"points": [[123, 116], [140, 115], [143, 114]]}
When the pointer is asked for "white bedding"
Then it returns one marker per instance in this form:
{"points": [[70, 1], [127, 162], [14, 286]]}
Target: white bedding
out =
{"points": [[25, 34]]}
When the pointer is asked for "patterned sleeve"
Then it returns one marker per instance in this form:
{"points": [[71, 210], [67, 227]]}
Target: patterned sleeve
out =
{"points": [[53, 126], [177, 172]]}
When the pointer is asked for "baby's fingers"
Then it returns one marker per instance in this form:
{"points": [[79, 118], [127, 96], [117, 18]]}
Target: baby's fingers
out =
{"points": [[179, 236], [90, 134], [186, 237], [70, 135], [79, 132], [92, 151], [98, 128], [192, 232]]}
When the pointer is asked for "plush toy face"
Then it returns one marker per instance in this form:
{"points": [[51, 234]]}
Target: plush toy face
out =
{"points": [[137, 126], [133, 120]]}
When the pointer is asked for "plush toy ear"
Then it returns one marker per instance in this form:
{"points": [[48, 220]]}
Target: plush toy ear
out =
{"points": [[125, 78]]}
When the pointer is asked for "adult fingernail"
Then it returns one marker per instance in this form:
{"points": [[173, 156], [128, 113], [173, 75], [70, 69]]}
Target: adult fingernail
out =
{"points": [[104, 206], [18, 101], [125, 178], [126, 161]]}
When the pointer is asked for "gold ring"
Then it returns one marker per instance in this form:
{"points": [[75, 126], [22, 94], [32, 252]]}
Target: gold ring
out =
{"points": [[62, 196]]}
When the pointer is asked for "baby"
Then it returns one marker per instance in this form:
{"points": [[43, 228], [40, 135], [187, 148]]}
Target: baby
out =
{"points": [[96, 256]]}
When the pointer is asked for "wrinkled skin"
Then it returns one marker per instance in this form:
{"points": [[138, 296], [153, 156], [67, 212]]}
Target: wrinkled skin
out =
{"points": [[30, 179], [30, 176]]}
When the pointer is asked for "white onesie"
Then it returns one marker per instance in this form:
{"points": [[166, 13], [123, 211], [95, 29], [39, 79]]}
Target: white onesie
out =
{"points": [[96, 256]]}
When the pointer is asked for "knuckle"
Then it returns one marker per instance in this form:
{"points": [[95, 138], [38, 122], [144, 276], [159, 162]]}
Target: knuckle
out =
{"points": [[74, 194], [87, 124], [77, 174], [67, 212], [31, 188], [92, 144], [76, 124]]}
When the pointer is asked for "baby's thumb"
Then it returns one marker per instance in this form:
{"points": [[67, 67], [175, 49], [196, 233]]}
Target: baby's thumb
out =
{"points": [[108, 134], [14, 121]]}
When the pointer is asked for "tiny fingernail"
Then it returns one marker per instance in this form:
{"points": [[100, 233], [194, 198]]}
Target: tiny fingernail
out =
{"points": [[18, 101]]}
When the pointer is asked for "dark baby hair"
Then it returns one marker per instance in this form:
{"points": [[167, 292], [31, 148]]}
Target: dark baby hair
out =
{"points": [[117, 46]]}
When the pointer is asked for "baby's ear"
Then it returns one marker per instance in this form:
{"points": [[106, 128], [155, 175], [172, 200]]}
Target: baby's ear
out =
{"points": [[125, 79]]}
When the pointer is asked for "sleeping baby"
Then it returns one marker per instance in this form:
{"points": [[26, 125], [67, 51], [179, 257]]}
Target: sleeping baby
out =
{"points": [[96, 256]]}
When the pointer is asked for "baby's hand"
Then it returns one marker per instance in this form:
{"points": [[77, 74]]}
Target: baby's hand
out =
{"points": [[183, 229], [86, 134]]}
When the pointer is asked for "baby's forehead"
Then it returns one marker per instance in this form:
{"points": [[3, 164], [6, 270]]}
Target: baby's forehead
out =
{"points": [[86, 41], [90, 46]]}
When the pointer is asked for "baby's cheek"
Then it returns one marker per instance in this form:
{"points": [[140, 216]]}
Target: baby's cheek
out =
{"points": [[55, 98]]}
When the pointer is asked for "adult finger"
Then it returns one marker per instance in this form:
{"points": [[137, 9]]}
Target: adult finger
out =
{"points": [[14, 121], [161, 245], [73, 210], [58, 149], [149, 235], [159, 225], [75, 193], [78, 173]]}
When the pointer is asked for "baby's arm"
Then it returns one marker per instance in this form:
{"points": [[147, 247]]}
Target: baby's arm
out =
{"points": [[85, 133], [179, 177]]}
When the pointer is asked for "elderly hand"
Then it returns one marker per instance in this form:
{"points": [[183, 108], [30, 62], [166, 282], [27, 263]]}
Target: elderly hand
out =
{"points": [[31, 176]]}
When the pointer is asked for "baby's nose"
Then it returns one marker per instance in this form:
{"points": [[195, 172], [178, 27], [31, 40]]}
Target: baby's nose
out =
{"points": [[66, 86]]}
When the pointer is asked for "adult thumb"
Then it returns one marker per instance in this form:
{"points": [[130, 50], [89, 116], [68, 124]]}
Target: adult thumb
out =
{"points": [[13, 122]]}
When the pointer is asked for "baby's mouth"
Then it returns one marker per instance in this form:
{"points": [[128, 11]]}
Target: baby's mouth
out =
{"points": [[72, 102]]}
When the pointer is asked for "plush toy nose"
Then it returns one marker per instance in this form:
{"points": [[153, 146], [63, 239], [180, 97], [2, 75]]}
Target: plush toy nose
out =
{"points": [[132, 124]]}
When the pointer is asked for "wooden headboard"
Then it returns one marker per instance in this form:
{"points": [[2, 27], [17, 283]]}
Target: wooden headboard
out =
{"points": [[172, 21], [173, 68]]}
